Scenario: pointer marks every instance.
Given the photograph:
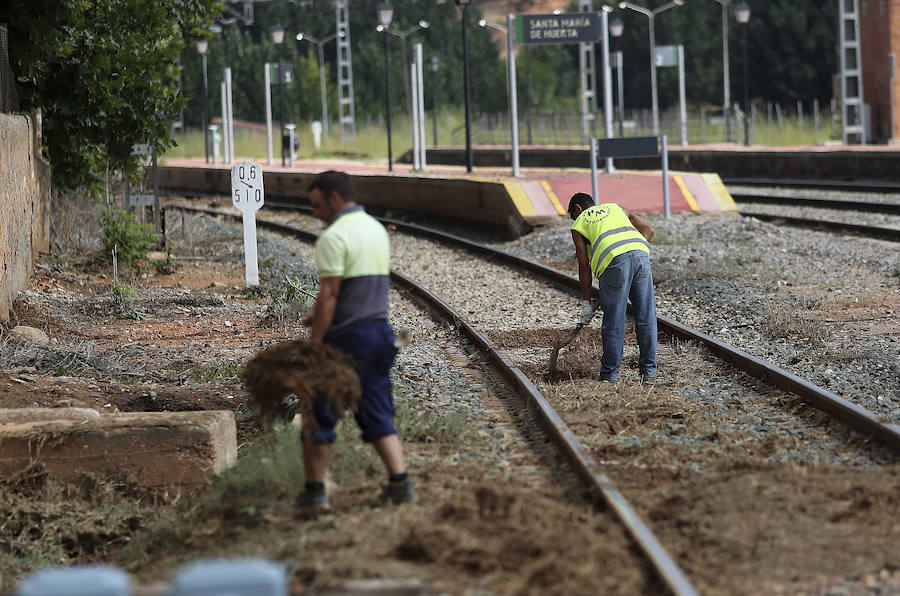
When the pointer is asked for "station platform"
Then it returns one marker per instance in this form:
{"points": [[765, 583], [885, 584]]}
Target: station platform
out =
{"points": [[542, 192]]}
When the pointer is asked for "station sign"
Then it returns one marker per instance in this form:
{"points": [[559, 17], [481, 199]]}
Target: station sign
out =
{"points": [[667, 55], [570, 27], [281, 73]]}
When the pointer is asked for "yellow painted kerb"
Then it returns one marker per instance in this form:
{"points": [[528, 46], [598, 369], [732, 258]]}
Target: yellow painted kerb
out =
{"points": [[688, 196], [717, 187], [553, 198], [520, 199]]}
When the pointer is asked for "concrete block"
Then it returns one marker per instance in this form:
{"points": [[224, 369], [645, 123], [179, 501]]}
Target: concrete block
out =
{"points": [[177, 451], [20, 415]]}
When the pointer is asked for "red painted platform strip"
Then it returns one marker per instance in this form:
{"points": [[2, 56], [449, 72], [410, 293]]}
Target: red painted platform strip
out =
{"points": [[635, 192], [704, 197]]}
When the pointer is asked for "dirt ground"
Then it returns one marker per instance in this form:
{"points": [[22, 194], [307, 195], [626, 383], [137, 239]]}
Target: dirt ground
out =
{"points": [[487, 522]]}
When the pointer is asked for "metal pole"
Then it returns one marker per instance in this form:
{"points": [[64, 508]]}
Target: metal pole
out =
{"points": [[224, 95], [387, 99], [513, 93], [528, 93], [682, 96], [280, 105], [593, 157], [746, 94], [205, 109], [230, 115], [621, 89], [322, 86], [665, 175], [726, 112], [434, 110], [420, 95], [469, 157], [268, 114], [653, 76], [414, 118], [607, 86]]}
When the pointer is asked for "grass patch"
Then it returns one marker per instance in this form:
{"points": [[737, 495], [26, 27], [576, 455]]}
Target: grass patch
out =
{"points": [[218, 371], [782, 323], [289, 300], [430, 427]]}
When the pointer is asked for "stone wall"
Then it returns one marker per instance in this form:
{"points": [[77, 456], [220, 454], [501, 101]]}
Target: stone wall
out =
{"points": [[24, 205]]}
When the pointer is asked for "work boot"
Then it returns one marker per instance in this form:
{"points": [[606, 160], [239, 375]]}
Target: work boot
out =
{"points": [[311, 504], [396, 492]]}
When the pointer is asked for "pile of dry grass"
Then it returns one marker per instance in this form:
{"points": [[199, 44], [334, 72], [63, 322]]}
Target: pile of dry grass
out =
{"points": [[305, 369]]}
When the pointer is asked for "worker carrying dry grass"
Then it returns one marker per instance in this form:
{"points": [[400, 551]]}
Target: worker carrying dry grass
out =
{"points": [[351, 316]]}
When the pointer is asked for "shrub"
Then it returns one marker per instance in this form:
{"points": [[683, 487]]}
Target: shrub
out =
{"points": [[130, 239]]}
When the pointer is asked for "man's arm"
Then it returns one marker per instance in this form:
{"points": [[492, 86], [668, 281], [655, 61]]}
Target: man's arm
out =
{"points": [[323, 311], [584, 265], [642, 226]]}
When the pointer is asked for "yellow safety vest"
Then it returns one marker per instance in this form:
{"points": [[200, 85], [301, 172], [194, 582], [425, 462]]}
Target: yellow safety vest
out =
{"points": [[609, 233]]}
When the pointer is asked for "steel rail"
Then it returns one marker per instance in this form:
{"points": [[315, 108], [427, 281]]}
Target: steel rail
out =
{"points": [[600, 486], [891, 234], [826, 203], [851, 185], [855, 416]]}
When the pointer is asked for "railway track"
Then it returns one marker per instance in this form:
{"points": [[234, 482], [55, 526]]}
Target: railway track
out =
{"points": [[825, 213], [875, 186], [525, 376]]}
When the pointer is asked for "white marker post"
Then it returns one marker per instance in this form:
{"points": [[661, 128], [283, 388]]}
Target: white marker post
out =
{"points": [[247, 195]]}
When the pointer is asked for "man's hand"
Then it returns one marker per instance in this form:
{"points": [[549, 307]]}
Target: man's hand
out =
{"points": [[587, 312]]}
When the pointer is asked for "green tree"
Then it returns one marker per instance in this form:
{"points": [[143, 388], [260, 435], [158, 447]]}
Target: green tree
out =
{"points": [[103, 75]]}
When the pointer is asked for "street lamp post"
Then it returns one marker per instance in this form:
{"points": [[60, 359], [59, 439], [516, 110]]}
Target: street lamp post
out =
{"points": [[726, 70], [385, 16], [278, 39], [469, 157], [434, 63], [616, 28], [423, 24], [202, 48], [509, 30], [321, 43], [742, 14], [651, 15]]}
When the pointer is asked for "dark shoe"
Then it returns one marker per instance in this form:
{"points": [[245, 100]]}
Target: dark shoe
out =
{"points": [[396, 492], [311, 504], [647, 379]]}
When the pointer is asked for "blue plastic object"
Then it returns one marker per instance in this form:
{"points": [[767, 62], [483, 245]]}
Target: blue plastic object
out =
{"points": [[231, 577], [83, 580]]}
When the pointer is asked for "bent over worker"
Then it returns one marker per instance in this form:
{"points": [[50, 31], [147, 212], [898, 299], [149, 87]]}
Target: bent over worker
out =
{"points": [[614, 245], [351, 314]]}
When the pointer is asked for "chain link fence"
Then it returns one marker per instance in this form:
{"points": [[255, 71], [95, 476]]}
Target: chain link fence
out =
{"points": [[9, 100]]}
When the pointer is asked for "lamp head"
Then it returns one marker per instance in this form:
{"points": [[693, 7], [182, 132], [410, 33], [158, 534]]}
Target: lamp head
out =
{"points": [[463, 3], [742, 13], [385, 13], [202, 46], [434, 63], [278, 34], [299, 37], [424, 24], [623, 5], [678, 2], [616, 27]]}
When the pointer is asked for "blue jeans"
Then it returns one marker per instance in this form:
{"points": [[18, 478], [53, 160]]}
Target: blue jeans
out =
{"points": [[627, 276]]}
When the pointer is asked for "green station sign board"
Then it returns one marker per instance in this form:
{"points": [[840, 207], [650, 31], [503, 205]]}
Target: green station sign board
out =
{"points": [[572, 27]]}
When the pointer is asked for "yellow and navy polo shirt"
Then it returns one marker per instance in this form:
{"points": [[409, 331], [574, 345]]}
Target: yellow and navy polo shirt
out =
{"points": [[609, 233], [356, 248]]}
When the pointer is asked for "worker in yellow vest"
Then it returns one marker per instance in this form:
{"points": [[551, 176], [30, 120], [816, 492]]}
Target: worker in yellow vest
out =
{"points": [[614, 245]]}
